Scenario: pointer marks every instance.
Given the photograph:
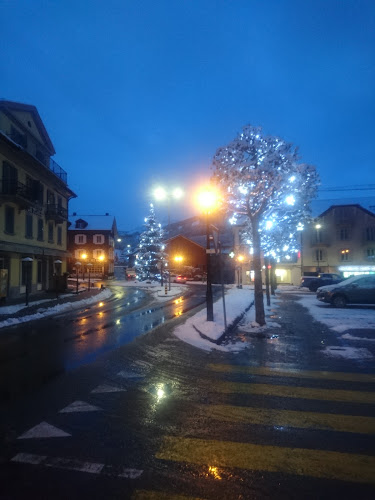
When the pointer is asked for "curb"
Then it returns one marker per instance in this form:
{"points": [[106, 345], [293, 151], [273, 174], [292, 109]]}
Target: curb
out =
{"points": [[229, 328]]}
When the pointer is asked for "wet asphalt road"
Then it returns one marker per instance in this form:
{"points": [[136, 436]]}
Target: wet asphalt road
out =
{"points": [[32, 353], [159, 419]]}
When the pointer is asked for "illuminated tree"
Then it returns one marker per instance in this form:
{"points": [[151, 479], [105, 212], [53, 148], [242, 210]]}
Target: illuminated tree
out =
{"points": [[264, 185], [150, 252]]}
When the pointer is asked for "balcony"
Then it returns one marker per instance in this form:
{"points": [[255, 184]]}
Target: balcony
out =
{"points": [[17, 192], [21, 140], [56, 213]]}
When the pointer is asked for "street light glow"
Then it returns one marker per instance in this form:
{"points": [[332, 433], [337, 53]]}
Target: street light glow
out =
{"points": [[177, 193], [207, 199], [160, 193]]}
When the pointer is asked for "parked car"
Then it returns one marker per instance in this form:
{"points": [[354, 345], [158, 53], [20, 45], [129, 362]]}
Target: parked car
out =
{"points": [[354, 290], [180, 279], [306, 280], [324, 279]]}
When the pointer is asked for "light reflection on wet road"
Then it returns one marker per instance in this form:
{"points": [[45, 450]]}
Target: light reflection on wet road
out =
{"points": [[33, 353]]}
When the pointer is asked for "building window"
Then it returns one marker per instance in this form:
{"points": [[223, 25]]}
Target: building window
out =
{"points": [[39, 271], [80, 239], [50, 232], [98, 253], [370, 233], [345, 254], [98, 239], [59, 235], [10, 179], [40, 229], [318, 254], [9, 220], [29, 226], [344, 233], [50, 197], [371, 253]]}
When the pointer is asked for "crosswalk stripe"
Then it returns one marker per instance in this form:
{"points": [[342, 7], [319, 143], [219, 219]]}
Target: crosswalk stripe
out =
{"points": [[284, 391], [290, 418], [279, 372], [159, 495], [299, 461]]}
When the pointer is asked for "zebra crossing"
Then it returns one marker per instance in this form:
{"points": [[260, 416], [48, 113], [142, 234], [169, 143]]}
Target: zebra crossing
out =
{"points": [[235, 396]]}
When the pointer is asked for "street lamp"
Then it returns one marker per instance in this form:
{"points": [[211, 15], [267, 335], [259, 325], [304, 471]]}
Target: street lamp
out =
{"points": [[240, 259], [27, 261], [101, 259], [84, 257], [89, 265], [77, 264], [162, 194], [318, 236], [207, 200]]}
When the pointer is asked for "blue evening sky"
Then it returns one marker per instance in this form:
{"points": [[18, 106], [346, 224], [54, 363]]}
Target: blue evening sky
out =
{"points": [[137, 93]]}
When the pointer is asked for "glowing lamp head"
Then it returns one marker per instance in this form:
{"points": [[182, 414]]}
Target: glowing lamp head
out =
{"points": [[84, 256], [207, 199], [160, 193], [101, 258]]}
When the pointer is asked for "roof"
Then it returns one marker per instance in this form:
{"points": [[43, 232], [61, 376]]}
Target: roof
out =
{"points": [[18, 106], [94, 223], [318, 207]]}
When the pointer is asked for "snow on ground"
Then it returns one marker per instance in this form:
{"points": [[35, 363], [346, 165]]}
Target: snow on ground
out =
{"points": [[340, 320], [236, 301], [58, 309]]}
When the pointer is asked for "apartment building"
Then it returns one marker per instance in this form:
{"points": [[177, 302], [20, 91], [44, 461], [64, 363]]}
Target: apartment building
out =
{"points": [[91, 242], [34, 197]]}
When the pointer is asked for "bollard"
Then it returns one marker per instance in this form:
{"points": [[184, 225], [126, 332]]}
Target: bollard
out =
{"points": [[166, 289]]}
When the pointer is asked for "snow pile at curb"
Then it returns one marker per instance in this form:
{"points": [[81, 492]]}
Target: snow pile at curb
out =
{"points": [[236, 301], [59, 308]]}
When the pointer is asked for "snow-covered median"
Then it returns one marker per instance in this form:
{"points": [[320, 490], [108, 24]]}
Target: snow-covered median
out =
{"points": [[236, 302], [58, 309]]}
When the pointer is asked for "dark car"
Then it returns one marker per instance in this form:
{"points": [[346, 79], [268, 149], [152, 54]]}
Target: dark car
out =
{"points": [[354, 290], [306, 280], [324, 279]]}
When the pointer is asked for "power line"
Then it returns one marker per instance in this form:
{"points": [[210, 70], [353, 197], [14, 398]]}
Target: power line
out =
{"points": [[363, 187]]}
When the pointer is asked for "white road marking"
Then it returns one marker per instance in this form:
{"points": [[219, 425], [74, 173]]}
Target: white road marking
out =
{"points": [[131, 473], [28, 458], [79, 406], [43, 430], [107, 388], [126, 374], [73, 464]]}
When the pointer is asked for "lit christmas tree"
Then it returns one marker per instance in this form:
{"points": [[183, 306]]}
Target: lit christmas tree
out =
{"points": [[150, 253], [266, 187]]}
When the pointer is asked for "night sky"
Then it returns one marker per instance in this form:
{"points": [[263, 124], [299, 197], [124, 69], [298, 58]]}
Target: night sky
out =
{"points": [[139, 93]]}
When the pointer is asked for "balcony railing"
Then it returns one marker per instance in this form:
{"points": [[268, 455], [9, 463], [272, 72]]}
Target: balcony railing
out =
{"points": [[57, 170], [56, 213], [49, 163], [16, 190]]}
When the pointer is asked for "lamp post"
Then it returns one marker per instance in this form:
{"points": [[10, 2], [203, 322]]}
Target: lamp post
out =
{"points": [[89, 266], [27, 261], [207, 199], [318, 227], [240, 259], [83, 257], [101, 259], [300, 229], [162, 194], [77, 264]]}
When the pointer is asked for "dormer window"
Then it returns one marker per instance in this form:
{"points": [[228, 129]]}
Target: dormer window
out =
{"points": [[81, 224]]}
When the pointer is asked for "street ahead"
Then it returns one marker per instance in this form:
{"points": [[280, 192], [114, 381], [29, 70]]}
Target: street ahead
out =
{"points": [[157, 418]]}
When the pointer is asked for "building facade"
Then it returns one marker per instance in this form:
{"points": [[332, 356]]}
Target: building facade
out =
{"points": [[91, 243], [34, 197], [340, 240]]}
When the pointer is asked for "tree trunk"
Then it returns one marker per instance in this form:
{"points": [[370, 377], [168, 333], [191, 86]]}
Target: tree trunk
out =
{"points": [[258, 287], [267, 266]]}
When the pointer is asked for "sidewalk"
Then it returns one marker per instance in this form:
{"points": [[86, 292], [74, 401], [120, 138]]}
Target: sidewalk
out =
{"points": [[16, 308]]}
